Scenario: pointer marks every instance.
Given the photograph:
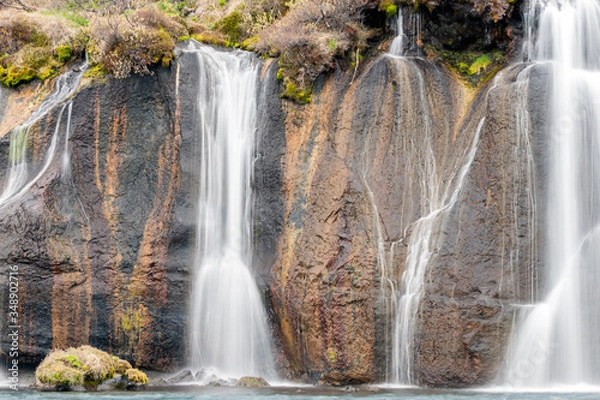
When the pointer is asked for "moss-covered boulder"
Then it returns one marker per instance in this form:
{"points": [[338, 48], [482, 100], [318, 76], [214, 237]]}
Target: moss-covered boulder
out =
{"points": [[252, 381], [132, 379], [85, 367]]}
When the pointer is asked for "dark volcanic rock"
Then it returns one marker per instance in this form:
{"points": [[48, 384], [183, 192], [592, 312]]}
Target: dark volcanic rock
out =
{"points": [[91, 245], [472, 25]]}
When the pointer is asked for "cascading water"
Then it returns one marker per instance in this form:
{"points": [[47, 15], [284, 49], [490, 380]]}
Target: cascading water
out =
{"points": [[408, 31], [17, 181], [229, 327], [556, 340], [438, 193], [397, 46]]}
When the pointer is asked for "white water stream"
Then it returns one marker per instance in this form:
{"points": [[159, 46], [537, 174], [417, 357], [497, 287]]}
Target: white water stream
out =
{"points": [[229, 327], [556, 341]]}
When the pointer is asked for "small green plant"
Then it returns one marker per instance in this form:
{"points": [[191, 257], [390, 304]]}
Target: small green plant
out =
{"points": [[222, 2], [332, 44], [73, 361], [230, 26], [332, 355], [480, 64], [389, 7], [64, 53], [300, 96]]}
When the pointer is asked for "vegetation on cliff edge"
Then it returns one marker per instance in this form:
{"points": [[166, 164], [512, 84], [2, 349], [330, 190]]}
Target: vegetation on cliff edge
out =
{"points": [[39, 37]]}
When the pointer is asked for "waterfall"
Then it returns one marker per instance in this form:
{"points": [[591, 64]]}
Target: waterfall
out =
{"points": [[556, 339], [229, 327], [65, 169], [422, 246], [17, 181], [437, 187], [408, 33], [397, 46]]}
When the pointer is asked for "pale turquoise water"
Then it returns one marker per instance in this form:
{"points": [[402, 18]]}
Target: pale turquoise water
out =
{"points": [[256, 395]]}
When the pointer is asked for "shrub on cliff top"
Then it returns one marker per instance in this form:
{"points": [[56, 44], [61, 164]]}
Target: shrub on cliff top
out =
{"points": [[34, 47], [312, 37], [128, 44], [83, 366]]}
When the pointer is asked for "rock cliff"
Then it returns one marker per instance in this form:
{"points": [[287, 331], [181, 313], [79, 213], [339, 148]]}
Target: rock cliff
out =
{"points": [[399, 168]]}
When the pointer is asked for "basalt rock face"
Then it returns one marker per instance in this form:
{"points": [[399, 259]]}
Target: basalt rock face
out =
{"points": [[398, 164], [105, 251], [490, 251], [473, 25], [92, 245], [351, 183], [402, 165]]}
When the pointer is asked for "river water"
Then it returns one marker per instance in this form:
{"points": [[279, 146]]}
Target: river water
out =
{"points": [[180, 393]]}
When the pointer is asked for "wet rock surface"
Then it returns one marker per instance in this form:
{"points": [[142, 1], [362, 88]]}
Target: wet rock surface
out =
{"points": [[341, 185]]}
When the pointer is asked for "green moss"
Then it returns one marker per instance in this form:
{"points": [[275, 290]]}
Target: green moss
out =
{"points": [[389, 7], [230, 26], [63, 53], [183, 38], [209, 38], [15, 75], [121, 365], [474, 68], [249, 43], [136, 376], [73, 361], [97, 71], [480, 64], [296, 94], [252, 382]]}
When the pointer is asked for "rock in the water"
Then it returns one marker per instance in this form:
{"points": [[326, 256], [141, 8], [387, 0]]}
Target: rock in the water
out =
{"points": [[84, 367], [184, 376], [252, 381]]}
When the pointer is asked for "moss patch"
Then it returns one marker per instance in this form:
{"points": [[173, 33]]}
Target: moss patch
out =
{"points": [[231, 27], [474, 68], [389, 7], [136, 376]]}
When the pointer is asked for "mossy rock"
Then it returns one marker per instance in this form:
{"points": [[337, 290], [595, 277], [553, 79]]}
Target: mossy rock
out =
{"points": [[474, 68], [84, 366], [252, 382], [136, 376], [122, 366]]}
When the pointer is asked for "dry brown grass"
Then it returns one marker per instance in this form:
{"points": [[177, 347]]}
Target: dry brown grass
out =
{"points": [[311, 38], [128, 44]]}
